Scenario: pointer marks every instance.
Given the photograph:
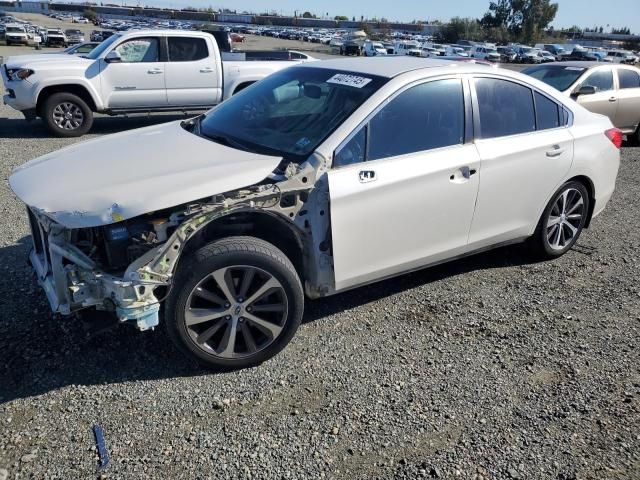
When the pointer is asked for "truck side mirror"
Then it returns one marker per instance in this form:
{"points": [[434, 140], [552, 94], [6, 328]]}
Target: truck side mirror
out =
{"points": [[585, 90], [113, 57]]}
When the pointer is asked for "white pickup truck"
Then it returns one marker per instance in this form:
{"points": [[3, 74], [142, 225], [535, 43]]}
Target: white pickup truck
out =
{"points": [[131, 72]]}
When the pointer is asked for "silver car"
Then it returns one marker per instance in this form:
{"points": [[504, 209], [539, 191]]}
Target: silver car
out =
{"points": [[611, 90]]}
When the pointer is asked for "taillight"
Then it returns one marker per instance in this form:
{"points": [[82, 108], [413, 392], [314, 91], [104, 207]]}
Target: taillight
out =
{"points": [[615, 135]]}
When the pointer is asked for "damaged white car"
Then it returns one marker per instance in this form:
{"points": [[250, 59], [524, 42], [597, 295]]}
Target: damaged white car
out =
{"points": [[320, 178]]}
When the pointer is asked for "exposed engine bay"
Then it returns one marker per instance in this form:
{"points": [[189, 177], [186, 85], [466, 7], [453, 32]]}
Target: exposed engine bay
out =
{"points": [[127, 267]]}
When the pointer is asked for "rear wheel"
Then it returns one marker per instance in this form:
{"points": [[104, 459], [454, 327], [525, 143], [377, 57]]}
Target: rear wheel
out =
{"points": [[562, 221], [67, 115], [235, 303]]}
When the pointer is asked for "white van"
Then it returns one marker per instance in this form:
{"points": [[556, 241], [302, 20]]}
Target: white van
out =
{"points": [[455, 51], [372, 49], [485, 52], [407, 48]]}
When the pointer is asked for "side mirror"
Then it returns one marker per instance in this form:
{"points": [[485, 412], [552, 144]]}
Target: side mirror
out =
{"points": [[585, 90], [113, 57]]}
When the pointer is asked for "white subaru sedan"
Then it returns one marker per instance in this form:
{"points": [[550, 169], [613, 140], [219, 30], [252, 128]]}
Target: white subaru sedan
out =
{"points": [[318, 179]]}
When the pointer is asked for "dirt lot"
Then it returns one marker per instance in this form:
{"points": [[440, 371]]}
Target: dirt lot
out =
{"points": [[492, 367]]}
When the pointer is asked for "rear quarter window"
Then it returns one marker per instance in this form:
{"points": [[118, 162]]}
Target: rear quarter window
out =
{"points": [[547, 112]]}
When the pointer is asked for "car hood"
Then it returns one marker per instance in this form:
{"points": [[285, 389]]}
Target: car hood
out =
{"points": [[46, 60], [121, 176], [21, 60]]}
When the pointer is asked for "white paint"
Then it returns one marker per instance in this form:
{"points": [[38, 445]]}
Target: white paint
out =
{"points": [[131, 173]]}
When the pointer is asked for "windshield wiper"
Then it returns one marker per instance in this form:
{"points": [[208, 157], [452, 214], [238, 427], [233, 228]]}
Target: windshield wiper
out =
{"points": [[226, 140]]}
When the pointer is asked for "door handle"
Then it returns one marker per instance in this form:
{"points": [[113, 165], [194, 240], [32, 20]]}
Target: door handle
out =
{"points": [[462, 174], [154, 71], [366, 176], [206, 70], [556, 151]]}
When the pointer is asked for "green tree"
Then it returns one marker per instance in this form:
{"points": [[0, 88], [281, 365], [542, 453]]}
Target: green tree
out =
{"points": [[526, 20], [308, 15], [498, 15], [461, 28], [340, 18], [90, 14]]}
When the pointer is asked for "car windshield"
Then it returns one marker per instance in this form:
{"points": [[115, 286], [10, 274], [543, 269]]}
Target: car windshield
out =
{"points": [[558, 77], [15, 29], [74, 32], [96, 52], [291, 112]]}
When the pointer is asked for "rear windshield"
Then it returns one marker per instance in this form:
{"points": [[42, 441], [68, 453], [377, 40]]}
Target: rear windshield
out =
{"points": [[559, 77]]}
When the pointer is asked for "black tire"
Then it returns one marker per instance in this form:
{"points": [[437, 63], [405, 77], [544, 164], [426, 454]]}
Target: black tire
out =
{"points": [[540, 242], [77, 105], [232, 253]]}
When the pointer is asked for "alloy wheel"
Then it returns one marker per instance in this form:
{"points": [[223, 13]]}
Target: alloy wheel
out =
{"points": [[565, 219], [236, 312], [68, 116]]}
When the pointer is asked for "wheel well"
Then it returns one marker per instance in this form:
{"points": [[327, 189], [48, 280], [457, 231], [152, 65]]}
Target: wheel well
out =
{"points": [[242, 86], [263, 225], [78, 90], [588, 184]]}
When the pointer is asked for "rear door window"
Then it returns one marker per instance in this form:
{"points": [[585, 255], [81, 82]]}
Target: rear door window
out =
{"points": [[628, 78], [187, 49], [505, 108]]}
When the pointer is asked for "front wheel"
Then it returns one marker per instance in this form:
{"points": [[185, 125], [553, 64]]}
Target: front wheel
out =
{"points": [[235, 303], [67, 115], [562, 221]]}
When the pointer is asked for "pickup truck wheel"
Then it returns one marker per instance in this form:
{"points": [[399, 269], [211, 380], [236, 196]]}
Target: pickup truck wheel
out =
{"points": [[67, 115], [235, 303]]}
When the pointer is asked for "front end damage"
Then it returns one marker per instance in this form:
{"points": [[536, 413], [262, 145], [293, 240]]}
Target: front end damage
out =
{"points": [[127, 267]]}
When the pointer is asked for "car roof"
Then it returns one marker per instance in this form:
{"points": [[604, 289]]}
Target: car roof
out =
{"points": [[581, 64], [388, 66]]}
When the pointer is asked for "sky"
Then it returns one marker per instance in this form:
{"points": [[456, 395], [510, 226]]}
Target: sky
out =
{"points": [[584, 13]]}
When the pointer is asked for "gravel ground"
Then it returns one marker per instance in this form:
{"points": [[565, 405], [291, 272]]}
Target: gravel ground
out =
{"points": [[491, 367]]}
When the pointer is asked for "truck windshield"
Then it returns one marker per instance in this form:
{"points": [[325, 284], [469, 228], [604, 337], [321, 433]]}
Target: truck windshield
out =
{"points": [[15, 29], [559, 77], [291, 112], [97, 52]]}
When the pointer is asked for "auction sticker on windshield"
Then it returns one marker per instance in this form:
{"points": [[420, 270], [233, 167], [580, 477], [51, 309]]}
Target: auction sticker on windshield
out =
{"points": [[349, 80]]}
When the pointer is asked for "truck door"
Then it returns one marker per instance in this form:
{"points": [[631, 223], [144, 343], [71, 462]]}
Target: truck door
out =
{"points": [[138, 79], [193, 73]]}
